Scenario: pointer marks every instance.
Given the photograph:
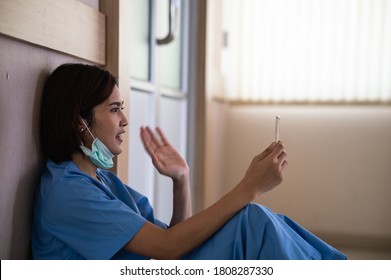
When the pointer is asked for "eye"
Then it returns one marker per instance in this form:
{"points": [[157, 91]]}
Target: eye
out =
{"points": [[117, 109]]}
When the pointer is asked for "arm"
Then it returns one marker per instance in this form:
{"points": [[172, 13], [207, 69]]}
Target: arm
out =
{"points": [[182, 208], [264, 173], [168, 162], [178, 240]]}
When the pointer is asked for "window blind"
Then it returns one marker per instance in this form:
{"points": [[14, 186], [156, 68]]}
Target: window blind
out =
{"points": [[307, 50]]}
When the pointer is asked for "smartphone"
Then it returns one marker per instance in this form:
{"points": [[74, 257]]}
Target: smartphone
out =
{"points": [[277, 129]]}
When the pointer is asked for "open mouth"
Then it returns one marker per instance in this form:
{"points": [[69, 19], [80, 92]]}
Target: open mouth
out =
{"points": [[120, 137]]}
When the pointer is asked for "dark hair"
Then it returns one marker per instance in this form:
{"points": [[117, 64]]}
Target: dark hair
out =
{"points": [[72, 90]]}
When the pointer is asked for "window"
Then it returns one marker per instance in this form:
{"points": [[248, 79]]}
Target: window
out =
{"points": [[317, 51]]}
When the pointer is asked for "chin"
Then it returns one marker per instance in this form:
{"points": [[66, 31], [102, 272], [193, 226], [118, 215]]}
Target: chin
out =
{"points": [[116, 151]]}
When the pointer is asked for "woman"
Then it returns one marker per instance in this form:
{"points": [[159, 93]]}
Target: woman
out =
{"points": [[83, 211]]}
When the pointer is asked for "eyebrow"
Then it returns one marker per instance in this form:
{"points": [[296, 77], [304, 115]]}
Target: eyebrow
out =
{"points": [[117, 103]]}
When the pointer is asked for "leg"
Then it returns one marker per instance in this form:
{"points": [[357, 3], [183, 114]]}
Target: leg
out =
{"points": [[258, 233]]}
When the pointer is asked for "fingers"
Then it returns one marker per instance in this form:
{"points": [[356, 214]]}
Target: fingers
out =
{"points": [[266, 152], [147, 140], [279, 155], [156, 141], [151, 141], [277, 152], [284, 165], [162, 136]]}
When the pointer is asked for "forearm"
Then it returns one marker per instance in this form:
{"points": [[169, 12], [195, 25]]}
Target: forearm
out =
{"points": [[182, 208]]}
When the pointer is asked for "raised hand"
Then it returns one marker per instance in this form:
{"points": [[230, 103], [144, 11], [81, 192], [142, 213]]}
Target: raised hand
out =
{"points": [[266, 169], [164, 156]]}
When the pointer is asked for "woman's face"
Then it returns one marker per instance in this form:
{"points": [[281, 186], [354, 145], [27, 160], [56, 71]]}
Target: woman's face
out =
{"points": [[109, 122]]}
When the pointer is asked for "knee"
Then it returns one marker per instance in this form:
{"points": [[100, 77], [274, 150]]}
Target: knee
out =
{"points": [[258, 211]]}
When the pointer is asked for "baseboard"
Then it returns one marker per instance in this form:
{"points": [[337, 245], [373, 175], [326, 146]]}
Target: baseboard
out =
{"points": [[356, 241]]}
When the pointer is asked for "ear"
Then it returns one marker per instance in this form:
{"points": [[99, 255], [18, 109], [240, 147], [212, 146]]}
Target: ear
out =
{"points": [[81, 124]]}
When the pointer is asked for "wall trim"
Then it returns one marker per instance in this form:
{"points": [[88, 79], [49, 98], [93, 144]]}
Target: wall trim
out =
{"points": [[359, 241], [67, 26], [118, 62]]}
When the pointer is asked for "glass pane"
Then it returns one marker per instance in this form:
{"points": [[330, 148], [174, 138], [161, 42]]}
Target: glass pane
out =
{"points": [[140, 47], [141, 171], [173, 120], [170, 54]]}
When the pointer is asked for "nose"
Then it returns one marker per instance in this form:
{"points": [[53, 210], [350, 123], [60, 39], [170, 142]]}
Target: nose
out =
{"points": [[124, 121]]}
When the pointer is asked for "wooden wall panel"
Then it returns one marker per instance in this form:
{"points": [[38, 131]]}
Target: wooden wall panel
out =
{"points": [[23, 70], [68, 26]]}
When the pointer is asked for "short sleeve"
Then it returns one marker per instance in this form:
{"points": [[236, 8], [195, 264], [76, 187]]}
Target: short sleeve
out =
{"points": [[89, 220], [125, 192], [145, 208]]}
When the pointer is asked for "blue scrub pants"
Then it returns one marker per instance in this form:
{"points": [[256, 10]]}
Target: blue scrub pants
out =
{"points": [[257, 233]]}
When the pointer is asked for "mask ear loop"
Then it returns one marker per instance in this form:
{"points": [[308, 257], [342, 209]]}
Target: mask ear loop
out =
{"points": [[87, 128], [92, 135]]}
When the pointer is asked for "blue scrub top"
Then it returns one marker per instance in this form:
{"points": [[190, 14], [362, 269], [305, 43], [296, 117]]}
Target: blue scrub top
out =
{"points": [[78, 217]]}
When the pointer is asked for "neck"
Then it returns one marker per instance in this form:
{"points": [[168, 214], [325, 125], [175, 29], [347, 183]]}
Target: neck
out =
{"points": [[84, 164]]}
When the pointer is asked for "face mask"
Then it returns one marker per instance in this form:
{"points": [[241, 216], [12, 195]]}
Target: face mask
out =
{"points": [[99, 154]]}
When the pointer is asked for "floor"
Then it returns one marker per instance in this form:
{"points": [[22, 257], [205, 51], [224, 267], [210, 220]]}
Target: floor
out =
{"points": [[365, 254]]}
